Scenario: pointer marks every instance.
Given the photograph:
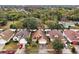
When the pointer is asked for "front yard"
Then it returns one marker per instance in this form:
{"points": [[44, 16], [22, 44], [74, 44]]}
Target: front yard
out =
{"points": [[33, 48], [49, 47], [11, 46]]}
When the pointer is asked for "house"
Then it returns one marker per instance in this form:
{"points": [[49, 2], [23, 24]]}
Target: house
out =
{"points": [[5, 37], [72, 36], [21, 34], [56, 34], [66, 23], [21, 37], [40, 36]]}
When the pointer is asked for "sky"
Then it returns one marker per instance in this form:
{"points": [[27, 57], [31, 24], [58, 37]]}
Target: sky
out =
{"points": [[39, 2]]}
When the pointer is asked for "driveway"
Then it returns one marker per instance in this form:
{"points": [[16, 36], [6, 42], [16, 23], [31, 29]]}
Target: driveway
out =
{"points": [[42, 49], [1, 47], [20, 51], [66, 51], [77, 48]]}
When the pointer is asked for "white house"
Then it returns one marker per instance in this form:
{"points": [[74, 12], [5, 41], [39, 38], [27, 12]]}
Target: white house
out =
{"points": [[6, 36], [21, 34]]}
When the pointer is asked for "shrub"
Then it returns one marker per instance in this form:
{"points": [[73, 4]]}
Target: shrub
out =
{"points": [[13, 26], [73, 50], [57, 45], [3, 21]]}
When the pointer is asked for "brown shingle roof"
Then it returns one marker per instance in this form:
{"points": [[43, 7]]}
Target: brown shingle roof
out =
{"points": [[38, 34], [6, 35], [54, 33]]}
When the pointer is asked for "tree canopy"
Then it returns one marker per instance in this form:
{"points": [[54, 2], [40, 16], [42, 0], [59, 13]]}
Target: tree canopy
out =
{"points": [[57, 44], [30, 23]]}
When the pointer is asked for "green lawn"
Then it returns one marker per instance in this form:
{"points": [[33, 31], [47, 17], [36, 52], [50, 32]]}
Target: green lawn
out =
{"points": [[7, 26], [32, 49], [11, 46]]}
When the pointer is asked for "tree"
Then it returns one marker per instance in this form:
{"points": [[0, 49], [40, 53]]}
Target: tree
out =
{"points": [[13, 26], [54, 25], [30, 23], [3, 21], [50, 25], [14, 16], [29, 39], [73, 50], [19, 25], [57, 45]]}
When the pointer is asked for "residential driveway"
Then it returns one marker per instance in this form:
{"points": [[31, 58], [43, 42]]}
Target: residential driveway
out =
{"points": [[42, 49], [1, 47], [77, 48], [20, 51], [66, 51]]}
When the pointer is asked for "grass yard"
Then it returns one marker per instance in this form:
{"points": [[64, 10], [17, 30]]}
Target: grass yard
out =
{"points": [[7, 26], [11, 46], [32, 49]]}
